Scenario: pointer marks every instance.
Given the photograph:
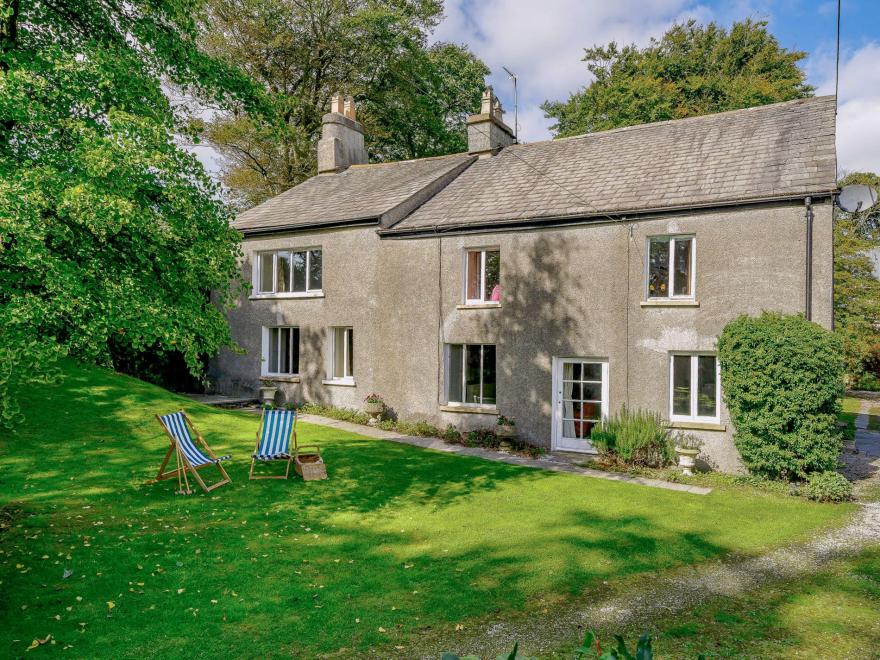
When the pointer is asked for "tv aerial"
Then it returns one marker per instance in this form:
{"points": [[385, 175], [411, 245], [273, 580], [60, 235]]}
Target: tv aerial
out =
{"points": [[856, 197]]}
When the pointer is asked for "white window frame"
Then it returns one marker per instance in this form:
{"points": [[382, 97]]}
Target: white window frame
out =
{"points": [[694, 417], [347, 376], [274, 293], [482, 300], [670, 239], [448, 356], [264, 362]]}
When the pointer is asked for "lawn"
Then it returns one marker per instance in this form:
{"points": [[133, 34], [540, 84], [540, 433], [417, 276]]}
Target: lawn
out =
{"points": [[400, 544], [831, 614]]}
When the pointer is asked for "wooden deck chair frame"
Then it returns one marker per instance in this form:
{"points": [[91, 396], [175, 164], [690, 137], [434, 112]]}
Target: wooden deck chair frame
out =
{"points": [[288, 460], [183, 464]]}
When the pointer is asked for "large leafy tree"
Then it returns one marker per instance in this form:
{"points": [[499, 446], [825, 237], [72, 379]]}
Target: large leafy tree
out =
{"points": [[856, 287], [691, 70], [412, 96], [111, 236]]}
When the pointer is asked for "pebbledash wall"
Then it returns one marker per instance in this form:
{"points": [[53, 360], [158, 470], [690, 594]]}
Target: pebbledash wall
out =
{"points": [[572, 291]]}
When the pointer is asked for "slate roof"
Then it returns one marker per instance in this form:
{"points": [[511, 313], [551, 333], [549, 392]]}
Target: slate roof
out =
{"points": [[359, 193], [773, 151]]}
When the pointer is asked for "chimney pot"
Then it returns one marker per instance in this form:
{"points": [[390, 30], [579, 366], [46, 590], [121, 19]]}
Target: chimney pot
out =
{"points": [[350, 110], [342, 137]]}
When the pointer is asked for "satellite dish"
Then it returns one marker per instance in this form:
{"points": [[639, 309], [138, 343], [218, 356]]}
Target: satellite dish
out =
{"points": [[856, 197]]}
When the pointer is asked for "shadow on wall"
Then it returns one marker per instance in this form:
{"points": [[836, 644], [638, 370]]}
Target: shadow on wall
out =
{"points": [[541, 318]]}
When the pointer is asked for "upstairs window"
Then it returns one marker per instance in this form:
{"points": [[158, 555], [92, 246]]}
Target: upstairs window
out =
{"points": [[470, 374], [694, 390], [482, 277], [671, 267], [287, 271], [280, 351], [341, 354]]}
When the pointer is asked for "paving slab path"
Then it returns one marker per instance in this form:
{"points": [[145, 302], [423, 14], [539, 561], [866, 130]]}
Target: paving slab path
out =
{"points": [[867, 442], [554, 461], [678, 591]]}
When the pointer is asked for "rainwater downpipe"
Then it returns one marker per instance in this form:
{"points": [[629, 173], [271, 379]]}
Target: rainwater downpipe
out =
{"points": [[808, 288]]}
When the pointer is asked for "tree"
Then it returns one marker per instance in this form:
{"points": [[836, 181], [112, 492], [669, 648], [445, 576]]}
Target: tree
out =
{"points": [[412, 97], [692, 70], [856, 287], [111, 236]]}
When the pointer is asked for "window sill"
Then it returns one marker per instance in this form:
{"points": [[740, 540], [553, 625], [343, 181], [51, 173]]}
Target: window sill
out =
{"points": [[672, 302], [698, 426], [286, 296], [281, 378], [470, 410], [489, 305], [341, 382]]}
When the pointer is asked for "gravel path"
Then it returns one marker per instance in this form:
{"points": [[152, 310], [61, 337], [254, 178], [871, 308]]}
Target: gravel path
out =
{"points": [[681, 590]]}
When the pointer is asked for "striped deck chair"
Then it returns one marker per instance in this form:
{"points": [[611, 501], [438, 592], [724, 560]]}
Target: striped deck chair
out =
{"points": [[273, 440], [189, 457]]}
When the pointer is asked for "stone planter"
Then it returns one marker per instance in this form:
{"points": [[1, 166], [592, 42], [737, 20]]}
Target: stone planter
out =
{"points": [[505, 446], [374, 409], [267, 394], [505, 431], [687, 459]]}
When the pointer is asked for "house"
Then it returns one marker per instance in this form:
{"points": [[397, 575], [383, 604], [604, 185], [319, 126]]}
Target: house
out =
{"points": [[550, 282]]}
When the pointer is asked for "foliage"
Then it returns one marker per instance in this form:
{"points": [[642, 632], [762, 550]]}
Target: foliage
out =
{"points": [[513, 655], [343, 414], [505, 421], [634, 437], [391, 520], [867, 382], [451, 434], [373, 398], [782, 378], [111, 236], [856, 287], [687, 441], [692, 70], [829, 487], [591, 648], [412, 97]]}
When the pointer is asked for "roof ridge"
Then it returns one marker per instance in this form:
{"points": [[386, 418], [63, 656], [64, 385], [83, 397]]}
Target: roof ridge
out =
{"points": [[408, 160], [620, 129]]}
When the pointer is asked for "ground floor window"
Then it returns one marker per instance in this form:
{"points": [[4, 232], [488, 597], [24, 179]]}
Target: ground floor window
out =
{"points": [[280, 351], [694, 387], [341, 353], [470, 374]]}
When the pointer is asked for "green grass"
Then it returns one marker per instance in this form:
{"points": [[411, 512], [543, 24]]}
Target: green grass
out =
{"points": [[829, 614], [398, 544]]}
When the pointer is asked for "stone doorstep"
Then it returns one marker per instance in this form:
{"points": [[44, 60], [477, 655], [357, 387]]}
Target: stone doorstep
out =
{"points": [[552, 462]]}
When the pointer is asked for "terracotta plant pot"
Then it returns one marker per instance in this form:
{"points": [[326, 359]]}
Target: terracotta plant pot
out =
{"points": [[687, 459]]}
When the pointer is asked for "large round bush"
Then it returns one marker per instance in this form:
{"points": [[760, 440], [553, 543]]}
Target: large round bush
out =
{"points": [[782, 378]]}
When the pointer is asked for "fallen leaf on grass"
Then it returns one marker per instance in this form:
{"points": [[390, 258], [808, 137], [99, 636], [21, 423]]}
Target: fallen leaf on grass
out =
{"points": [[67, 573], [39, 642], [110, 605]]}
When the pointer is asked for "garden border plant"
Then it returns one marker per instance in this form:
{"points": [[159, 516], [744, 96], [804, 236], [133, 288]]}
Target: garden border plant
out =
{"points": [[782, 378]]}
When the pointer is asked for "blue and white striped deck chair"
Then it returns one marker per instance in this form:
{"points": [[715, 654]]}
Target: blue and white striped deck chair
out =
{"points": [[189, 457], [273, 440]]}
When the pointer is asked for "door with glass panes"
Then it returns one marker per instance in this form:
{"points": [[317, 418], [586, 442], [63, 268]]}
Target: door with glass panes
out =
{"points": [[580, 401]]}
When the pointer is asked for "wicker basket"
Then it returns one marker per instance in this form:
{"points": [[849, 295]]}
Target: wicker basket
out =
{"points": [[310, 467]]}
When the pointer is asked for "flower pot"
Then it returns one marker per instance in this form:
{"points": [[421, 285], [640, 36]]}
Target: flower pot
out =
{"points": [[505, 431], [267, 394], [505, 446], [374, 407], [687, 459]]}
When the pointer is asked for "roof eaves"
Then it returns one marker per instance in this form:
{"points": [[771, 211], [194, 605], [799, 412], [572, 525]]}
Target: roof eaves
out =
{"points": [[327, 224]]}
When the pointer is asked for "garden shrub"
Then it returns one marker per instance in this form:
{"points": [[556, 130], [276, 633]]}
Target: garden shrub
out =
{"points": [[782, 378], [451, 435], [635, 437], [829, 487]]}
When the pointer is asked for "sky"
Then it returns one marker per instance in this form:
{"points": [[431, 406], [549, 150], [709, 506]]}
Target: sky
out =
{"points": [[542, 42]]}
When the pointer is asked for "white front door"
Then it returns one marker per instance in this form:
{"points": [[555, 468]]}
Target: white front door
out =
{"points": [[580, 401]]}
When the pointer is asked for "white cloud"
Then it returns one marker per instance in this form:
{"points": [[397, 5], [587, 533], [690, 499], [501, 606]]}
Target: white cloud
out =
{"points": [[858, 116], [543, 42]]}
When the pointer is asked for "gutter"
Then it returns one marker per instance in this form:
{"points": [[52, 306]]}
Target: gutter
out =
{"points": [[523, 224], [328, 224]]}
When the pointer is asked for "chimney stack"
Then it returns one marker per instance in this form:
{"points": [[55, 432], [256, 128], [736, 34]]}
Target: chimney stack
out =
{"points": [[487, 132], [342, 137]]}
